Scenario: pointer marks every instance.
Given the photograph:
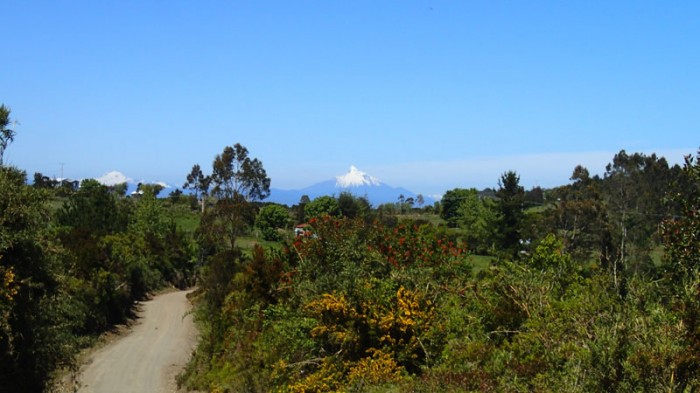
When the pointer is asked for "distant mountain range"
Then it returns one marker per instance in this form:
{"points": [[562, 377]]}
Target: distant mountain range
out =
{"points": [[354, 181]]}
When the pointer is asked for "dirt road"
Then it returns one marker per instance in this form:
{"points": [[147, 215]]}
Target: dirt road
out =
{"points": [[149, 357]]}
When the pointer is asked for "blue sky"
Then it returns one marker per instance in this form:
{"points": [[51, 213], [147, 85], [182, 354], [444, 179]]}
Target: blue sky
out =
{"points": [[427, 95]]}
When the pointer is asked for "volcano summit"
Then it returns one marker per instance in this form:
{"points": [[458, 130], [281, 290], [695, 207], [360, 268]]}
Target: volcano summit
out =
{"points": [[354, 181]]}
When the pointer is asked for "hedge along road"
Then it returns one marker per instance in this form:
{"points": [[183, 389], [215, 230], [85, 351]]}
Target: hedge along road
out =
{"points": [[149, 357]]}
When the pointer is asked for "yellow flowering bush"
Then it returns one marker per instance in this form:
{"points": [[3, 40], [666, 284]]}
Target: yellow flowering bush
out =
{"points": [[378, 368], [335, 317], [328, 378], [8, 289]]}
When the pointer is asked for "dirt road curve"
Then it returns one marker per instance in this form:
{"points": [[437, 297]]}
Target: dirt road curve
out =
{"points": [[149, 357]]}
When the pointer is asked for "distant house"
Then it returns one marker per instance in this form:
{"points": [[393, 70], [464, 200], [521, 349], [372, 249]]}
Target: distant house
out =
{"points": [[302, 230]]}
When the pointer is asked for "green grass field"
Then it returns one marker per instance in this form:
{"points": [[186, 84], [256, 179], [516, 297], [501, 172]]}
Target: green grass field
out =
{"points": [[247, 243], [657, 255], [185, 218], [480, 262], [431, 218], [56, 203]]}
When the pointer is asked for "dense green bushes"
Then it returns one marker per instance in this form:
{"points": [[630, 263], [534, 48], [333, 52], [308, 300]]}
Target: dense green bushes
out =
{"points": [[67, 276], [37, 315], [270, 219], [346, 311], [337, 302], [117, 250], [360, 306]]}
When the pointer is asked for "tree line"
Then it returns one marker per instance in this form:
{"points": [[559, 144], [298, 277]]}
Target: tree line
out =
{"points": [[614, 220]]}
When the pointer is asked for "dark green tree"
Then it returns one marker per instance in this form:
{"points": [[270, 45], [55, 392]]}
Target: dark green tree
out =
{"points": [[37, 320], [175, 196], [237, 181], [270, 218], [152, 189], [236, 174], [93, 210], [198, 183], [410, 201], [682, 266], [635, 187], [579, 218], [535, 196], [450, 205], [682, 233], [509, 208], [7, 135], [120, 189], [476, 217], [299, 209], [41, 181], [321, 206], [87, 219], [351, 206]]}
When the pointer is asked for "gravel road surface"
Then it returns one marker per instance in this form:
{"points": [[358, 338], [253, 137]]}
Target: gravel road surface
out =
{"points": [[148, 358]]}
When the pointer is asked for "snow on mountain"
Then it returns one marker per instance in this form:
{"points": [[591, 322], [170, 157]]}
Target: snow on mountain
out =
{"points": [[354, 181], [160, 183], [113, 178], [356, 178]]}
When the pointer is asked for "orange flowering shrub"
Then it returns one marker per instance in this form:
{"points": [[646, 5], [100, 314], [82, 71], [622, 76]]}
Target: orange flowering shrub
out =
{"points": [[402, 246], [410, 245]]}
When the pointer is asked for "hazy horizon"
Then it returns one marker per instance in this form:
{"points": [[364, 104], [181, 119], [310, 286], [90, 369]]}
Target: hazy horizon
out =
{"points": [[429, 96]]}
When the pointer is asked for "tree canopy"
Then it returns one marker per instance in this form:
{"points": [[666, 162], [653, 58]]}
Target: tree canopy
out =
{"points": [[198, 183], [235, 174], [510, 208], [323, 205], [450, 202], [270, 218], [7, 135]]}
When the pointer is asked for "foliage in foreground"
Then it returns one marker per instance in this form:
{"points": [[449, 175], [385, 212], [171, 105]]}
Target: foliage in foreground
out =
{"points": [[363, 307], [350, 313], [36, 315], [69, 276]]}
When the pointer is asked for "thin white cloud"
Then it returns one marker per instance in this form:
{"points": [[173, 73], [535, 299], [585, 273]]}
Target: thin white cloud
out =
{"points": [[546, 169]]}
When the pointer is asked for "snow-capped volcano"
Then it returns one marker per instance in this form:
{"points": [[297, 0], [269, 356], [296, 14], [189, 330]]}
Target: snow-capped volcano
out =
{"points": [[356, 178], [113, 178], [354, 181]]}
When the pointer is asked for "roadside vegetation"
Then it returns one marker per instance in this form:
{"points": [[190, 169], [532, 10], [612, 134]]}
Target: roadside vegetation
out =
{"points": [[72, 272], [588, 287], [72, 263]]}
